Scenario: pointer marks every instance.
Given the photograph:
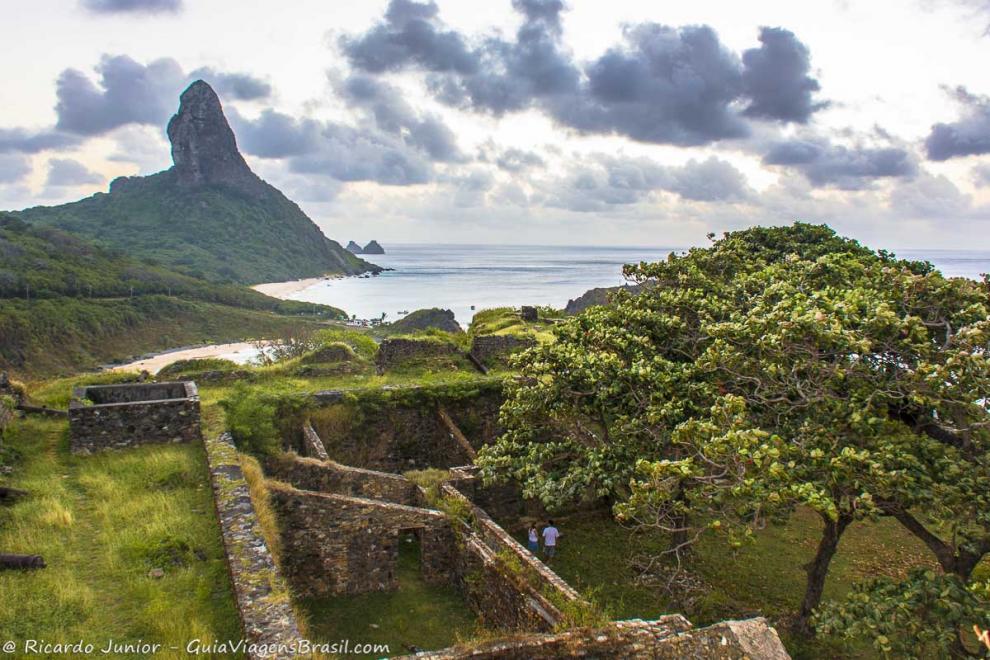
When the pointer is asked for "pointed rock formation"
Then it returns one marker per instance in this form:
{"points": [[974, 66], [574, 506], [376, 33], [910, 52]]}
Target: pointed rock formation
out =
{"points": [[354, 248], [209, 215], [373, 248], [204, 149]]}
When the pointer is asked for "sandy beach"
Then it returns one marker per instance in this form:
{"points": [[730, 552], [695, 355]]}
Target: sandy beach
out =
{"points": [[156, 363], [285, 289]]}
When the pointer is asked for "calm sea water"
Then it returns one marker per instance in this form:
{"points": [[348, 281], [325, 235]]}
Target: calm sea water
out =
{"points": [[457, 277]]}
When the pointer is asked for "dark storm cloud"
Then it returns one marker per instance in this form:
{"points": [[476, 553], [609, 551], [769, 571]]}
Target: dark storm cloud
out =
{"points": [[849, 168], [132, 6], [968, 136], [337, 151], [665, 85], [128, 93], [13, 167], [32, 142], [775, 78], [240, 86], [393, 115], [67, 172], [662, 84], [275, 135], [409, 34]]}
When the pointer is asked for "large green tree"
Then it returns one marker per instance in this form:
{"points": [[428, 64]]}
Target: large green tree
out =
{"points": [[779, 368]]}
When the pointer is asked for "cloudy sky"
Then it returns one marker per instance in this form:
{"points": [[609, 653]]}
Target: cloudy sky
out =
{"points": [[528, 121]]}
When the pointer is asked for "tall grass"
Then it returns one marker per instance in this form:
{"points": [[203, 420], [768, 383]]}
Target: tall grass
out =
{"points": [[102, 523]]}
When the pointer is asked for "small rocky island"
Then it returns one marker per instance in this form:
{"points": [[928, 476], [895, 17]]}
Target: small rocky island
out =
{"points": [[371, 248]]}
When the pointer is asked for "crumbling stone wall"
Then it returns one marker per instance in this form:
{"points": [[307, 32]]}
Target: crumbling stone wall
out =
{"points": [[398, 436], [261, 593], [496, 539], [115, 416], [335, 544], [313, 444], [331, 477], [492, 349], [668, 638], [393, 352]]}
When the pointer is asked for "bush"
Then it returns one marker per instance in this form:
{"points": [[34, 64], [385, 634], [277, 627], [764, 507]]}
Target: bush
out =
{"points": [[182, 367], [251, 421], [359, 342]]}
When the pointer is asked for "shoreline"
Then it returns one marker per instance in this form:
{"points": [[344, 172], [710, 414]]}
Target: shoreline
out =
{"points": [[283, 290], [158, 361]]}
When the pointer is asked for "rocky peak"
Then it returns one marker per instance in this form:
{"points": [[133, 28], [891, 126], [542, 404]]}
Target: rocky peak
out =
{"points": [[203, 146], [354, 248], [373, 248]]}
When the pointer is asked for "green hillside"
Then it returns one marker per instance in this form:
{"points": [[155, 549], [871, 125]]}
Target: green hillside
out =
{"points": [[67, 304], [208, 216], [215, 232]]}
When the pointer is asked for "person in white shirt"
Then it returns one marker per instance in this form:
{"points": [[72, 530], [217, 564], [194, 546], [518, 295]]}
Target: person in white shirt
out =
{"points": [[534, 539], [550, 536]]}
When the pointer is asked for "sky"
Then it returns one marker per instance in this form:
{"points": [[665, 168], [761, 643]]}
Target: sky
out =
{"points": [[528, 121]]}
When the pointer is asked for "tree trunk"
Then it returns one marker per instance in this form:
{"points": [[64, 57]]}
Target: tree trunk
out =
{"points": [[818, 569]]}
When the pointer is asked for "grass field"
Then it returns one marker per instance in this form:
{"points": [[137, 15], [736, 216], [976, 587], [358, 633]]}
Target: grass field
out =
{"points": [[595, 556], [102, 523]]}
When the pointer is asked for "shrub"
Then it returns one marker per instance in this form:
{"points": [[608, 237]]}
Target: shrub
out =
{"points": [[251, 420]]}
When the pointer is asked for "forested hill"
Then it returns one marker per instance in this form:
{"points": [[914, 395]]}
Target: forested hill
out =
{"points": [[209, 216], [67, 304]]}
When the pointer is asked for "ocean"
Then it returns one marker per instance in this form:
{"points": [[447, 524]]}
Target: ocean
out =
{"points": [[468, 278]]}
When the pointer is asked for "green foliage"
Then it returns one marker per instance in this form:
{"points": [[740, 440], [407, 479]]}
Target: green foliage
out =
{"points": [[430, 481], [40, 262], [214, 232], [251, 418], [359, 342], [780, 367], [915, 618], [507, 321], [181, 368], [422, 320], [66, 335]]}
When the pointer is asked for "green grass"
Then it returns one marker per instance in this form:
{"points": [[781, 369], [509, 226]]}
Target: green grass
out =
{"points": [[417, 614], [102, 523], [506, 321], [761, 579]]}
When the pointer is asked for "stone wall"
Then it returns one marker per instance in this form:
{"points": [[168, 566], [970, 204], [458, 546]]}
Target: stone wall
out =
{"points": [[261, 593], [668, 638], [397, 436], [116, 416], [393, 352], [500, 541], [493, 349], [312, 444], [331, 477], [335, 544]]}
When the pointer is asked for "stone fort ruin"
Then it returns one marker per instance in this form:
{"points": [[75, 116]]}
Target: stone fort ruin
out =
{"points": [[343, 509], [115, 416]]}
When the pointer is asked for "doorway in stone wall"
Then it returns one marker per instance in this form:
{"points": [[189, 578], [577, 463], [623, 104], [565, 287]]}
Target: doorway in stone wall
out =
{"points": [[410, 561]]}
